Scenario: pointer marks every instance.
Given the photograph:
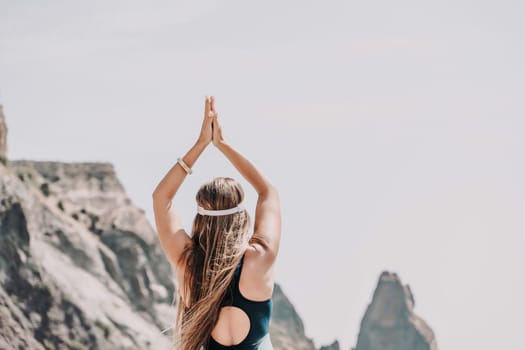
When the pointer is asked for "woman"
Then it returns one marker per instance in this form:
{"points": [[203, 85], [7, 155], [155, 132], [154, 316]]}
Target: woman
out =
{"points": [[225, 275]]}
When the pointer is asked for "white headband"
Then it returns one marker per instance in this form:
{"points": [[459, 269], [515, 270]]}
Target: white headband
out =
{"points": [[220, 212]]}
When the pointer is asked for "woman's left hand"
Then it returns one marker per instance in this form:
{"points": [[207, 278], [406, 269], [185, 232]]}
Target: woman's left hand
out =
{"points": [[206, 129]]}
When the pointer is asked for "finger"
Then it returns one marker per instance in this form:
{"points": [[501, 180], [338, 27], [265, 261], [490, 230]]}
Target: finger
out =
{"points": [[212, 103], [206, 105]]}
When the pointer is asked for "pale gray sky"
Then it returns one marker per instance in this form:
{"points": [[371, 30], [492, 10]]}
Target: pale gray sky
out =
{"points": [[394, 131]]}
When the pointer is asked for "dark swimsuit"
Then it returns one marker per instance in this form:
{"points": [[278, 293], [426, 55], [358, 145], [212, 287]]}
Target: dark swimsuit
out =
{"points": [[258, 312]]}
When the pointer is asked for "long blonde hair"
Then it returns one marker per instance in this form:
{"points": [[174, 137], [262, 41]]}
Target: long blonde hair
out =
{"points": [[218, 245]]}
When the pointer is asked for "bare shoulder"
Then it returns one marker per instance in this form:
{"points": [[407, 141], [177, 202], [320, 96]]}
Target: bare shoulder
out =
{"points": [[257, 275], [260, 254]]}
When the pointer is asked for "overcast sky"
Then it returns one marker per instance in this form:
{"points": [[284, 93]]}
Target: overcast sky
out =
{"points": [[393, 130]]}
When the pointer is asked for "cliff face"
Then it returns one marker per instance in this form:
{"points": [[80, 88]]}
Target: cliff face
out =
{"points": [[79, 264], [81, 267], [390, 323], [286, 327]]}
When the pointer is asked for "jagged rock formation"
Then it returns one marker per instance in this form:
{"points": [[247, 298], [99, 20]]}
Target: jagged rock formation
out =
{"points": [[3, 137], [390, 323], [286, 327], [81, 267], [333, 346]]}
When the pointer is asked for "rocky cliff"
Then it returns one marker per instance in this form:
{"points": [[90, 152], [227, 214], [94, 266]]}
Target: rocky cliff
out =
{"points": [[390, 323], [81, 267], [286, 327]]}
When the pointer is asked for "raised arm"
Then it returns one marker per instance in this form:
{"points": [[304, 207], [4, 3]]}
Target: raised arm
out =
{"points": [[170, 229], [267, 225]]}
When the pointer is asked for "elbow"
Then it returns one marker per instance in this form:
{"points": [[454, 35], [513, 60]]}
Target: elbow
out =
{"points": [[269, 189], [156, 194], [161, 194]]}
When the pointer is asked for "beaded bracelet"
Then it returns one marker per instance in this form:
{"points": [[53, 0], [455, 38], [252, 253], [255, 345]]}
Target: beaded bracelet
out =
{"points": [[187, 168]]}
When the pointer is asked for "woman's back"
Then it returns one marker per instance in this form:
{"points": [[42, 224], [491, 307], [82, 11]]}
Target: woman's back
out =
{"points": [[244, 318]]}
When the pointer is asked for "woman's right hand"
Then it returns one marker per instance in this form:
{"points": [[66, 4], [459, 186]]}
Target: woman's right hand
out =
{"points": [[217, 138]]}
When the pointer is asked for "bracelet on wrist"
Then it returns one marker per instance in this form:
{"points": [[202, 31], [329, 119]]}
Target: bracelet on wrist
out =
{"points": [[184, 166]]}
